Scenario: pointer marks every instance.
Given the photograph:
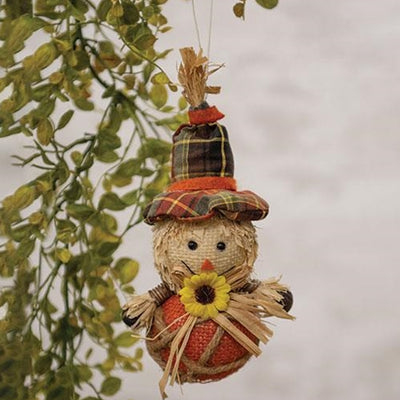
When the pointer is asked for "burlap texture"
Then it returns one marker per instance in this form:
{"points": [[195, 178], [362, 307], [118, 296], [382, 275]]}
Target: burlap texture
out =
{"points": [[171, 251], [210, 354]]}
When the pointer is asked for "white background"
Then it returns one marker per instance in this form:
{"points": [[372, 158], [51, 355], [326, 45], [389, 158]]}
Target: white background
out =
{"points": [[311, 97]]}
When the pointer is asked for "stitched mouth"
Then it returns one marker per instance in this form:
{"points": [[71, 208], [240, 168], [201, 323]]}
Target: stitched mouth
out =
{"points": [[192, 272], [228, 270], [187, 266]]}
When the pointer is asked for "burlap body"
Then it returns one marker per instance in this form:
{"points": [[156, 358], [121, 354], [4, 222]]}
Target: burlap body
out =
{"points": [[210, 354]]}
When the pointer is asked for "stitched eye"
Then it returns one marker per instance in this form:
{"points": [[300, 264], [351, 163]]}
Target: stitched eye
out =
{"points": [[221, 246], [192, 245]]}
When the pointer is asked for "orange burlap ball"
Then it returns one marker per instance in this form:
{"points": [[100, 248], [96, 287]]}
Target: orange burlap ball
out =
{"points": [[210, 354]]}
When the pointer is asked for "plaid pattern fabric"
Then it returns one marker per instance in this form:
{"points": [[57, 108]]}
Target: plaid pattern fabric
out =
{"points": [[201, 204], [200, 151]]}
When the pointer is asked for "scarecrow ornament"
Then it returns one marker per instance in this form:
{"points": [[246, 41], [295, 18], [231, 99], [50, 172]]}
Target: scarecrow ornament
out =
{"points": [[205, 320]]}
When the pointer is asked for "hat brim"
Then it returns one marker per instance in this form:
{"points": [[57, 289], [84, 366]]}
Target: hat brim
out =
{"points": [[203, 204]]}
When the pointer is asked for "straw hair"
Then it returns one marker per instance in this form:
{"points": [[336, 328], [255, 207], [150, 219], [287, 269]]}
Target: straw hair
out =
{"points": [[193, 74]]}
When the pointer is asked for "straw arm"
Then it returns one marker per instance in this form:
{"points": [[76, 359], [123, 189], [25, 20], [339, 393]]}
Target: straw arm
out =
{"points": [[139, 311], [285, 296]]}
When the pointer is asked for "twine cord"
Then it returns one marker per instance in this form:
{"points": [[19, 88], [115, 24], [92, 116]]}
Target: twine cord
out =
{"points": [[210, 28], [196, 24]]}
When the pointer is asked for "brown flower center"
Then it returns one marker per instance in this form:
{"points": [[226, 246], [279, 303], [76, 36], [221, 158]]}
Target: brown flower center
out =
{"points": [[205, 294]]}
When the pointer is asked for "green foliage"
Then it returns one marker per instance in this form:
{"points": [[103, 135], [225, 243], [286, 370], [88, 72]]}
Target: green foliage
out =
{"points": [[59, 233], [240, 6]]}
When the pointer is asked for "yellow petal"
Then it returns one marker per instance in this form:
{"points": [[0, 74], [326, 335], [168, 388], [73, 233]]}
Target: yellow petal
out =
{"points": [[220, 305], [187, 300], [198, 310], [186, 291], [221, 282], [225, 288], [186, 281], [197, 279], [211, 311], [190, 308], [223, 297]]}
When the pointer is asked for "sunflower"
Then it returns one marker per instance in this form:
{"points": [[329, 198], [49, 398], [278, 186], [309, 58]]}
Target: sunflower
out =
{"points": [[205, 295]]}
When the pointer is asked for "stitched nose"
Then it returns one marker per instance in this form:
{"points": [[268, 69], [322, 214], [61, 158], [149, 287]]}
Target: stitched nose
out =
{"points": [[207, 265]]}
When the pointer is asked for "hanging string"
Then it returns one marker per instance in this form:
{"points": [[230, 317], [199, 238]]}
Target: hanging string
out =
{"points": [[210, 27], [196, 24]]}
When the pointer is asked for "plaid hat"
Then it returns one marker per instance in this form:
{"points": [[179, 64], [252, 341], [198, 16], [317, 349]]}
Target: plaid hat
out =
{"points": [[202, 176]]}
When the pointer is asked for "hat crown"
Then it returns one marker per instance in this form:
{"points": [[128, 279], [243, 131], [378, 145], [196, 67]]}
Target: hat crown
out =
{"points": [[201, 151]]}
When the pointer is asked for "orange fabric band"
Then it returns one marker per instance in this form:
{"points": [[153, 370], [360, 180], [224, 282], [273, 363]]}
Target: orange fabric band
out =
{"points": [[204, 183], [205, 115]]}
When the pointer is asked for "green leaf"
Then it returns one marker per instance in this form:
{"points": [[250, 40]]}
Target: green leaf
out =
{"points": [[89, 160], [117, 10], [158, 95], [63, 255], [107, 156], [182, 103], [82, 60], [130, 197], [103, 8], [65, 118], [127, 269], [84, 104], [74, 192], [120, 181], [172, 87], [131, 13], [46, 107], [112, 202], [45, 132], [4, 82], [78, 12], [110, 386], [107, 249], [22, 232], [62, 172], [85, 373], [110, 223], [155, 148], [43, 364], [125, 339], [144, 38], [267, 3], [58, 393], [80, 211], [7, 392], [108, 92], [81, 5], [45, 55], [41, 92], [238, 10], [76, 157], [22, 198], [107, 141], [26, 248], [160, 78], [21, 29], [129, 168]]}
